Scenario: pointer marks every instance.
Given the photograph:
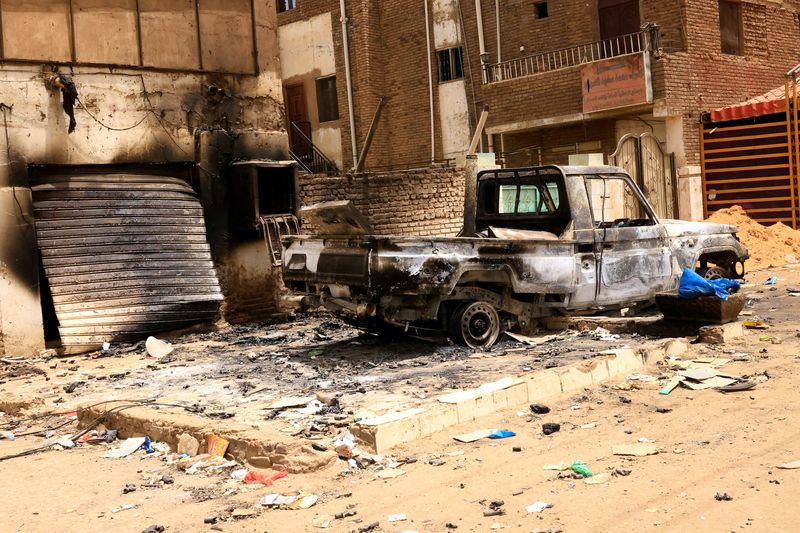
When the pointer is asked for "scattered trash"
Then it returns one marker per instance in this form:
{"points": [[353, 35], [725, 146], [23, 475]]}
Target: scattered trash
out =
{"points": [[437, 462], [738, 387], [154, 529], [292, 401], [345, 514], [772, 280], [538, 507], [516, 449], [240, 513], [127, 447], [540, 409], [723, 497], [400, 517], [7, 435], [790, 466], [663, 410], [599, 479], [646, 440], [624, 472], [254, 477], [148, 446], [69, 389], [501, 434], [130, 487], [157, 348], [125, 507], [755, 324], [289, 501], [239, 474], [217, 446], [474, 436], [188, 445], [322, 521], [549, 428], [603, 334], [635, 450], [579, 467], [692, 285], [369, 527], [389, 473], [106, 346], [345, 445]]}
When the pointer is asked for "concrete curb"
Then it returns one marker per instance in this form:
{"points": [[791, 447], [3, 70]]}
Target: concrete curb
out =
{"points": [[381, 433]]}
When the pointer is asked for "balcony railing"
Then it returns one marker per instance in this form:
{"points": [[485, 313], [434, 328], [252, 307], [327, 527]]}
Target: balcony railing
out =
{"points": [[646, 40]]}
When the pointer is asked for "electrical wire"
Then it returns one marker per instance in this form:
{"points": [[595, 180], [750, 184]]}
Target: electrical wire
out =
{"points": [[112, 128]]}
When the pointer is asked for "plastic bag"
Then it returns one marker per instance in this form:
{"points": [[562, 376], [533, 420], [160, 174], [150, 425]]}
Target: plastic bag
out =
{"points": [[693, 285]]}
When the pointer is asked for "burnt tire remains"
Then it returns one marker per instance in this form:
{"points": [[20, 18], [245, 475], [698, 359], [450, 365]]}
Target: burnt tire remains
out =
{"points": [[475, 324]]}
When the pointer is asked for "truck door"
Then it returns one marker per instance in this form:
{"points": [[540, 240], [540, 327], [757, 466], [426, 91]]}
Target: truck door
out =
{"points": [[633, 258]]}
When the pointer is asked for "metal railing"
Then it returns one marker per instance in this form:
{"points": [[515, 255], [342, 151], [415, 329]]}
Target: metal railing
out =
{"points": [[646, 40], [308, 156]]}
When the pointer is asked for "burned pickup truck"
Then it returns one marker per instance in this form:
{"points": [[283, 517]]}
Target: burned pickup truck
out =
{"points": [[537, 242]]}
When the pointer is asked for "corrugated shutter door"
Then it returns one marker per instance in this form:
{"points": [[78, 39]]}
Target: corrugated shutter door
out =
{"points": [[125, 255]]}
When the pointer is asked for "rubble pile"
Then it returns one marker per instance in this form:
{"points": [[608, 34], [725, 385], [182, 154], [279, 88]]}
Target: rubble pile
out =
{"points": [[769, 246]]}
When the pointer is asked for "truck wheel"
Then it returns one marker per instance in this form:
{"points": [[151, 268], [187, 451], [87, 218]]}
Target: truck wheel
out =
{"points": [[715, 272], [476, 324]]}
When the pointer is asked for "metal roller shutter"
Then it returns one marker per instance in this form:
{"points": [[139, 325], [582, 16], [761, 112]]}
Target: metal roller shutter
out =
{"points": [[125, 255]]}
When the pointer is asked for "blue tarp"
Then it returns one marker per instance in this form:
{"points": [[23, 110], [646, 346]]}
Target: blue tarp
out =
{"points": [[693, 285]]}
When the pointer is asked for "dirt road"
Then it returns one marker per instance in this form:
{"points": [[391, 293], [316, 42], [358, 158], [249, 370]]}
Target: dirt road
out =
{"points": [[708, 443]]}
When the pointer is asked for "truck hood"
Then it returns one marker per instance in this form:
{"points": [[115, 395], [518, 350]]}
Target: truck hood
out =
{"points": [[680, 228]]}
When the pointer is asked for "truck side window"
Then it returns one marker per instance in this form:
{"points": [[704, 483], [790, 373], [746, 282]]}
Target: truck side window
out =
{"points": [[615, 204]]}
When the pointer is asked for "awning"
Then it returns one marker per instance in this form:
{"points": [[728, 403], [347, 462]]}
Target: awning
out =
{"points": [[773, 101]]}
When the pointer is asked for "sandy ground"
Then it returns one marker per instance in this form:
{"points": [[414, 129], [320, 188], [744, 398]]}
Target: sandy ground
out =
{"points": [[709, 443]]}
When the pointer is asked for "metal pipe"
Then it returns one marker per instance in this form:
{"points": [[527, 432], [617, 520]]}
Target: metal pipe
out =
{"points": [[497, 18], [792, 183], [349, 79], [481, 43], [430, 81]]}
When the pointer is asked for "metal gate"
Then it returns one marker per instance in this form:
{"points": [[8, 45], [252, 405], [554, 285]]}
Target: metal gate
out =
{"points": [[124, 255], [652, 168]]}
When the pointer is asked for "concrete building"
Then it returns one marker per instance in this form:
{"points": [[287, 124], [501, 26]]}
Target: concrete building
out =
{"points": [[560, 78], [145, 215]]}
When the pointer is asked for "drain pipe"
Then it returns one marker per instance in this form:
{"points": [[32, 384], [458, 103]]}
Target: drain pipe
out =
{"points": [[430, 82], [481, 42], [349, 79], [497, 19]]}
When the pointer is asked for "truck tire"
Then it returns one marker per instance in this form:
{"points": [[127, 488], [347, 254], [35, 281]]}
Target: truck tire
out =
{"points": [[475, 324], [715, 272]]}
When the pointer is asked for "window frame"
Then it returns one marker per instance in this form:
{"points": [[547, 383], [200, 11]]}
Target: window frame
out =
{"points": [[537, 6], [453, 70], [333, 102], [740, 49], [282, 6]]}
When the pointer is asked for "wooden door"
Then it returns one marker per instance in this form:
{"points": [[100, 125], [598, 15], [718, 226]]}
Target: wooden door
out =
{"points": [[299, 124]]}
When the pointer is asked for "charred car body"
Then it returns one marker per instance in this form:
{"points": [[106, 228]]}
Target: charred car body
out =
{"points": [[546, 240]]}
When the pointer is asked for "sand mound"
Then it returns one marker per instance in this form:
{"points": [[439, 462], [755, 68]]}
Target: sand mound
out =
{"points": [[769, 246]]}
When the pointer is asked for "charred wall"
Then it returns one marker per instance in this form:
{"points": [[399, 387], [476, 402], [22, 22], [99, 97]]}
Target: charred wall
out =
{"points": [[127, 117]]}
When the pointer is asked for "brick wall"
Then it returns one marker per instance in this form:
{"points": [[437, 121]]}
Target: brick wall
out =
{"points": [[389, 58], [414, 202]]}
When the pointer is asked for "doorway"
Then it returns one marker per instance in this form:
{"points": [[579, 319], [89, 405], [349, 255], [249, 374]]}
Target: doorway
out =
{"points": [[299, 124], [618, 17]]}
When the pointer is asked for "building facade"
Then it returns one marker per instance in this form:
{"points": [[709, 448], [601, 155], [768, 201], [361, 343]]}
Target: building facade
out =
{"points": [[128, 219], [559, 77]]}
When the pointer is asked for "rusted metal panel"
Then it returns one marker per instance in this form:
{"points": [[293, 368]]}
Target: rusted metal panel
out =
{"points": [[126, 256]]}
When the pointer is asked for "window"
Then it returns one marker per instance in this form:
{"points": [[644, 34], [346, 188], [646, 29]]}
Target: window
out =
{"points": [[286, 5], [730, 27], [615, 204], [541, 10], [327, 99], [451, 66]]}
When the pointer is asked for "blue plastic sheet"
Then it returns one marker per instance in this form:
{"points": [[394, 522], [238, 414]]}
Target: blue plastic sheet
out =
{"points": [[693, 285], [501, 434]]}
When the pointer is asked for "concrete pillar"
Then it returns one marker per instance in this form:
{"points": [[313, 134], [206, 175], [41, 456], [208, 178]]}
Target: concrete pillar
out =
{"points": [[21, 331], [690, 193]]}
